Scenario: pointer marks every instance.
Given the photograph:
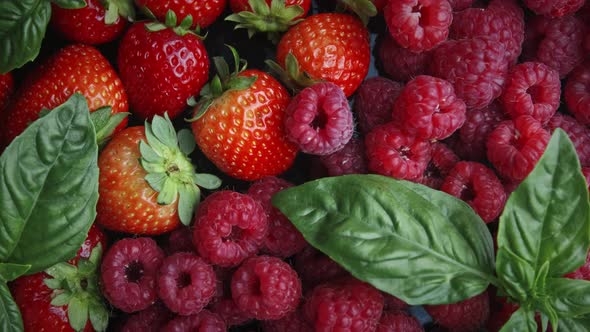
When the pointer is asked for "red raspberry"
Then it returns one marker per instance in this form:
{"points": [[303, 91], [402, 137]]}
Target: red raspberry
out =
{"points": [[349, 160], [186, 283], [266, 288], [583, 272], [151, 319], [554, 8], [443, 160], [294, 322], [478, 186], [474, 133], [501, 315], [577, 93], [467, 315], [396, 321], [315, 268], [283, 239], [578, 133], [428, 108], [347, 304], [204, 321], [228, 310], [374, 101], [319, 119], [515, 146], [180, 240], [392, 303], [400, 63], [459, 5], [129, 272], [229, 227], [555, 42], [476, 67], [418, 25], [532, 88], [393, 152]]}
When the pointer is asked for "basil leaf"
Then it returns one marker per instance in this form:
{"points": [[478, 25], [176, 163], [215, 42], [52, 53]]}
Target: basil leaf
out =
{"points": [[70, 4], [10, 318], [521, 321], [9, 272], [419, 244], [516, 272], [547, 218], [579, 324], [22, 28], [49, 188], [569, 297]]}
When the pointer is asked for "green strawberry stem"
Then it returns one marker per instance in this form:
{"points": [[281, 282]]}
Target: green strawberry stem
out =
{"points": [[292, 77], [116, 8], [171, 22], [272, 19], [170, 172]]}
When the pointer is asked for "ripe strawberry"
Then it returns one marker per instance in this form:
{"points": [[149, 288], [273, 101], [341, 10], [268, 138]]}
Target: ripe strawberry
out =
{"points": [[97, 23], [330, 47], [75, 68], [203, 12], [162, 66], [238, 123], [147, 184], [48, 300]]}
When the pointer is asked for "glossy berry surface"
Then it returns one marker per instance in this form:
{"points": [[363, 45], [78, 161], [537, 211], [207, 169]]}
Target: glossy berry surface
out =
{"points": [[203, 12]]}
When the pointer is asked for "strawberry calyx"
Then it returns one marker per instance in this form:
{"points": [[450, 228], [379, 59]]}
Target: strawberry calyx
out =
{"points": [[116, 8], [272, 19], [169, 170], [171, 22], [364, 9], [77, 287], [223, 81], [292, 76]]}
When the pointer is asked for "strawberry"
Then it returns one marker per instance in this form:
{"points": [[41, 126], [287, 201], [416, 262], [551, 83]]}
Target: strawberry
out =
{"points": [[65, 296], [330, 47], [238, 123], [147, 184], [6, 89], [75, 68], [97, 23], [203, 12], [161, 66]]}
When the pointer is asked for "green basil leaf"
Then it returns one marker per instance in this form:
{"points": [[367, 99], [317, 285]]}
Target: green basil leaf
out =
{"points": [[70, 4], [547, 218], [578, 324], [49, 188], [516, 271], [10, 318], [419, 244], [521, 321], [569, 297], [9, 272], [22, 28]]}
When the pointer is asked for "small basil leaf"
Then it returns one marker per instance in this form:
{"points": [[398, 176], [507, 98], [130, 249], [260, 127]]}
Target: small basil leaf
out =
{"points": [[578, 324], [516, 273], [10, 318], [9, 272], [521, 321], [419, 244], [49, 188], [70, 4], [569, 297], [22, 28]]}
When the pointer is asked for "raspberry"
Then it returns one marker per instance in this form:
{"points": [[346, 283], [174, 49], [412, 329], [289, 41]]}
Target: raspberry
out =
{"points": [[467, 315], [203, 321], [532, 88], [554, 8], [180, 240], [478, 125], [129, 271], [293, 322], [578, 134], [229, 227], [283, 239], [349, 160], [443, 160], [392, 152], [186, 283], [395, 321], [501, 315], [476, 67], [347, 304], [515, 146], [478, 186], [400, 63], [315, 268], [418, 25], [583, 272], [230, 313], [496, 23], [319, 119], [554, 42], [428, 108], [577, 93], [392, 303], [151, 319], [374, 101], [459, 5]]}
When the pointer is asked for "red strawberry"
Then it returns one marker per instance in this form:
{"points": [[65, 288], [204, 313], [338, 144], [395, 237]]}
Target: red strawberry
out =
{"points": [[330, 47], [162, 66], [203, 12], [147, 184], [99, 22], [75, 68], [48, 300], [242, 129]]}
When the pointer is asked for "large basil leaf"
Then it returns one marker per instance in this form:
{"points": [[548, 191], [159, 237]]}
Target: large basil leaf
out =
{"points": [[49, 188], [22, 28], [9, 272], [579, 324], [547, 218], [522, 320], [569, 297], [10, 318], [419, 244], [70, 4]]}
